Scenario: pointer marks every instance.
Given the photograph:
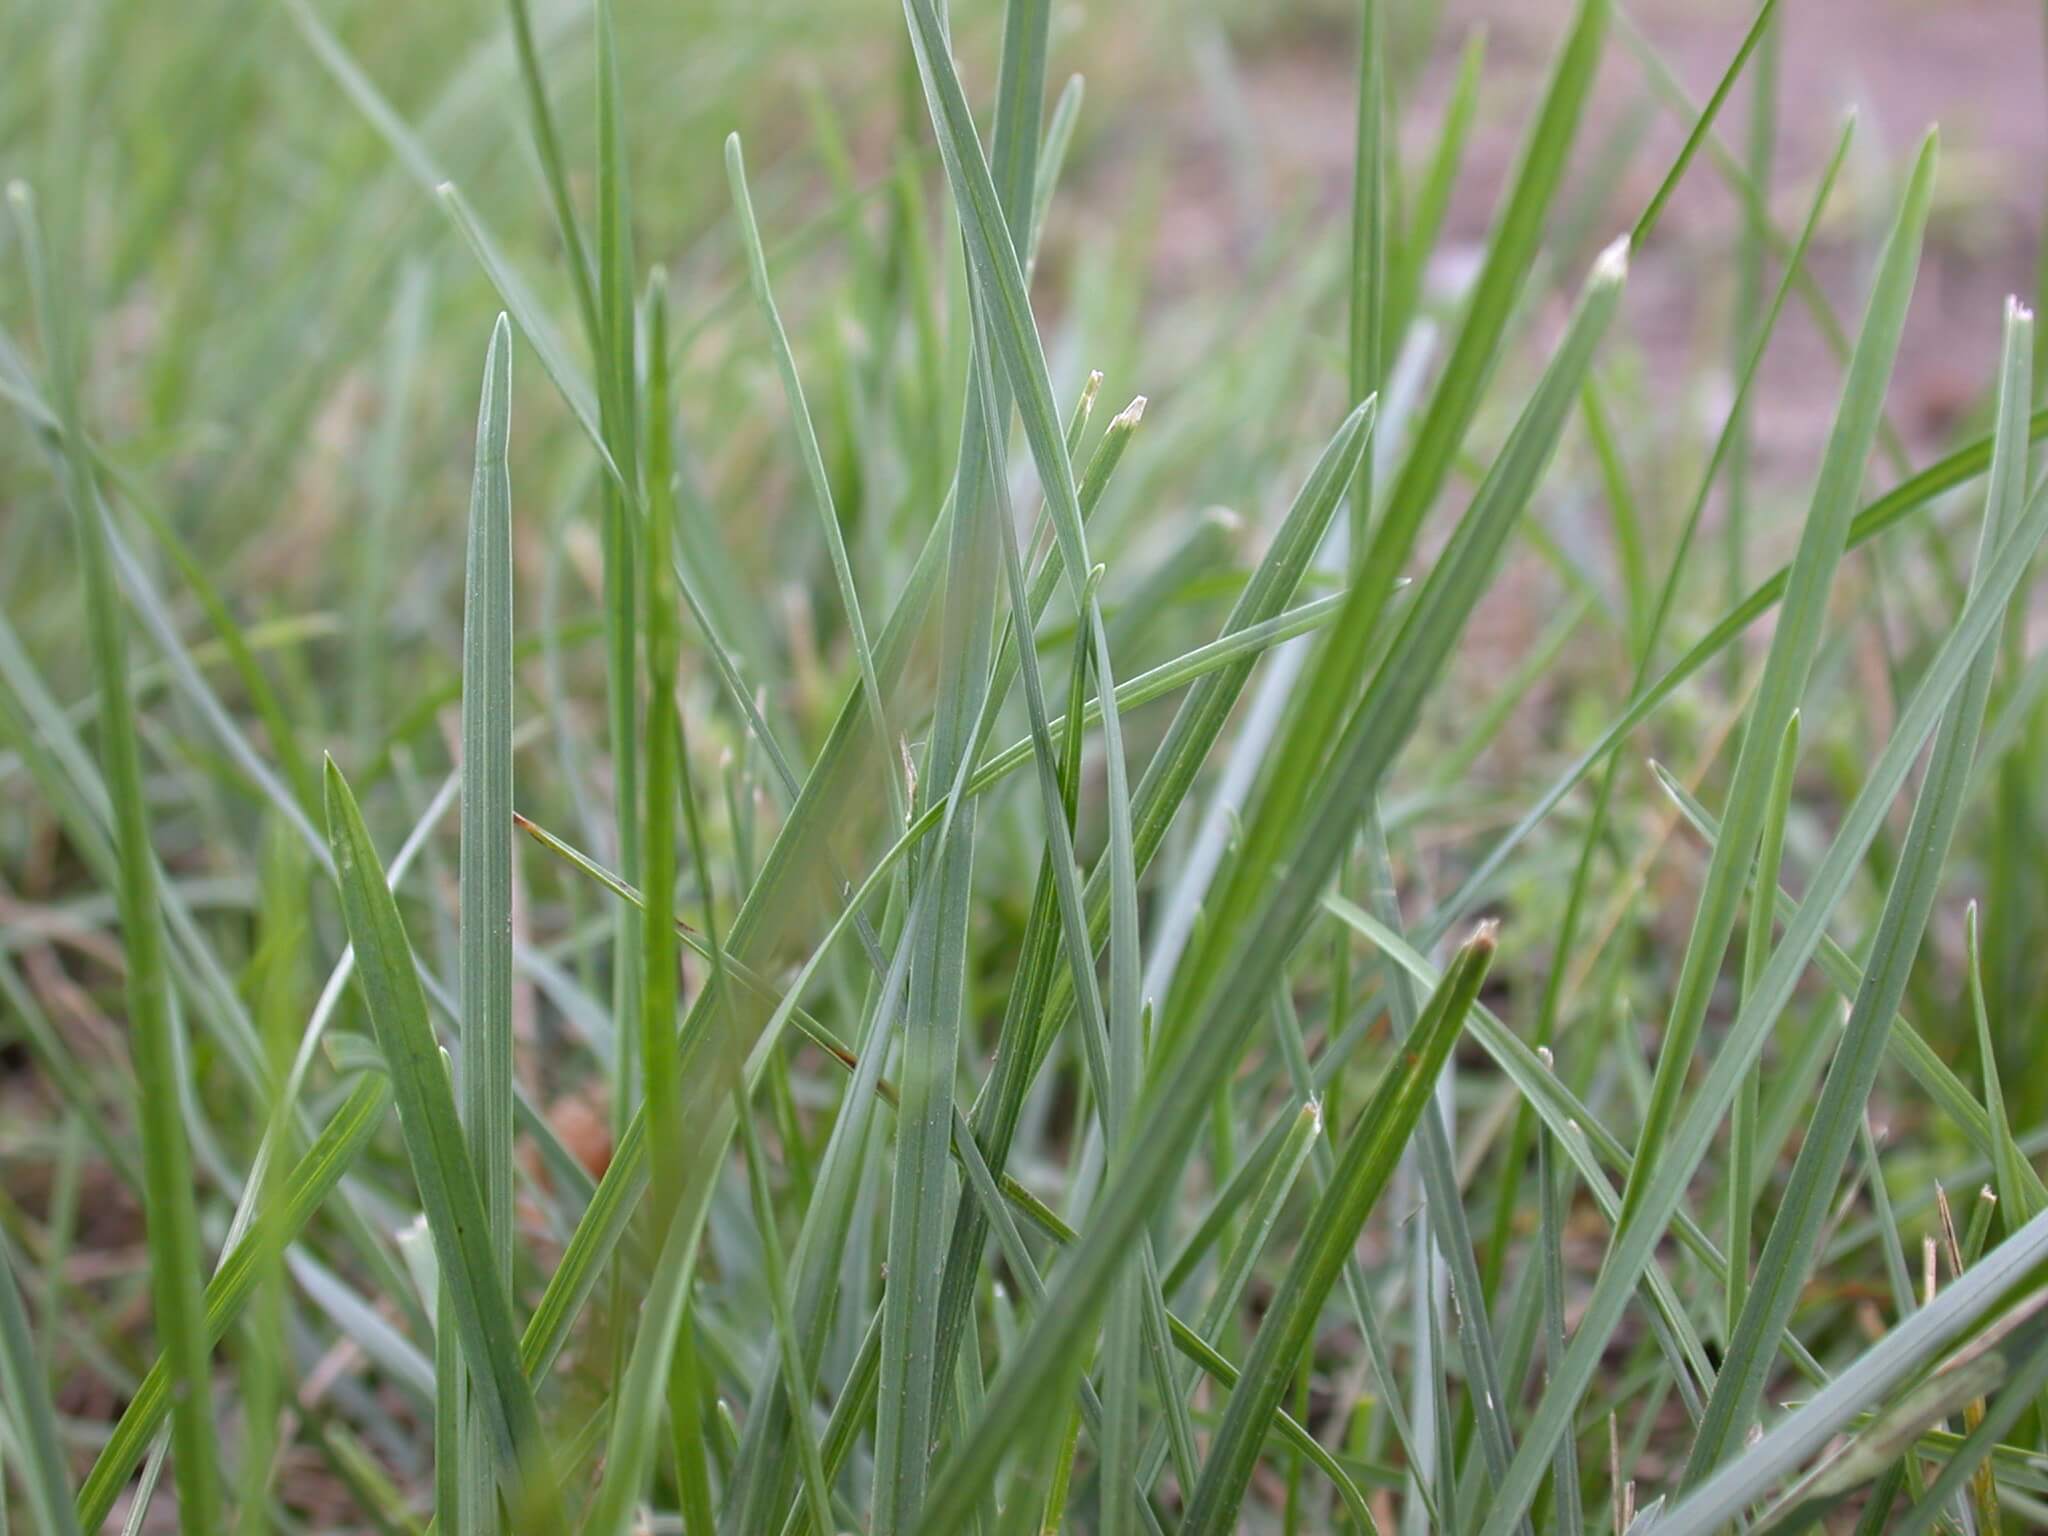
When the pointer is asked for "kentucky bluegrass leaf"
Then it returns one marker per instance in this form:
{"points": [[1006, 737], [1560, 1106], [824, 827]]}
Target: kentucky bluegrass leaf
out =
{"points": [[31, 1420], [1789, 1250], [484, 981], [1371, 1150], [442, 1168], [172, 1212]]}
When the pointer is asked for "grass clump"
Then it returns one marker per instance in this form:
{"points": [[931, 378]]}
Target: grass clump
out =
{"points": [[1018, 1007]]}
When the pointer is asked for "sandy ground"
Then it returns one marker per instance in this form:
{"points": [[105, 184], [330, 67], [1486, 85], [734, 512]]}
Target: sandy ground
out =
{"points": [[1976, 67]]}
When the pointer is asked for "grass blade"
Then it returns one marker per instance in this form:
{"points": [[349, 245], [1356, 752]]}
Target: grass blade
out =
{"points": [[484, 982], [440, 1160], [814, 463], [1789, 1250], [32, 1422], [1364, 1169], [172, 1215], [1636, 1238], [1182, 1087], [1882, 1370], [1744, 1162], [1793, 645]]}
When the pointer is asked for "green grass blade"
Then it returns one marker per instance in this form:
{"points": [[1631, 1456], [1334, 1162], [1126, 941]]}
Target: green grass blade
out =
{"points": [[637, 1399], [1744, 1162], [1234, 1271], [1906, 1042], [1367, 1164], [1432, 197], [1517, 231], [659, 1054], [1793, 645], [1340, 662], [1638, 1233], [1366, 296], [172, 1222], [2026, 1373], [1564, 1476], [1795, 1231], [1703, 124], [1761, 151], [1983, 1292], [2019, 1189], [440, 1160], [795, 1378], [32, 1422], [484, 982], [813, 462], [1914, 494], [541, 118], [304, 1191], [1182, 1088]]}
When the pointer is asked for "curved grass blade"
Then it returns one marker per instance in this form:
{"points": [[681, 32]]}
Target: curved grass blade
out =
{"points": [[1986, 1289], [172, 1220], [304, 1191], [1795, 1232], [440, 1160], [1636, 1238], [32, 1422], [1370, 1154], [1793, 645], [1182, 1088]]}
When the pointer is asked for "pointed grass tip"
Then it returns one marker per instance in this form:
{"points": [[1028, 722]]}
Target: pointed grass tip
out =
{"points": [[1611, 265], [1131, 414]]}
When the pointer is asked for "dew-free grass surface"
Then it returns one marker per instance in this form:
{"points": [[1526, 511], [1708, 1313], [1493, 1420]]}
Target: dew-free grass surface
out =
{"points": [[659, 872]]}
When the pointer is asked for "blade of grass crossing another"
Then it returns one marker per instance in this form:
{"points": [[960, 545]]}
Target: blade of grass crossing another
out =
{"points": [[813, 462], [446, 1178], [1332, 687], [660, 1056], [1370, 1155], [1993, 1285], [485, 876], [32, 1421], [1743, 1122], [171, 1217], [1636, 1238], [304, 1191], [1793, 647], [1182, 1088], [1906, 1043], [2019, 1197], [1235, 1269], [1795, 1232], [912, 1389]]}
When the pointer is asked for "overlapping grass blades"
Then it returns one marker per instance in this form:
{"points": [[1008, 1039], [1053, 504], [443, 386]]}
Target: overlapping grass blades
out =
{"points": [[1037, 1228]]}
